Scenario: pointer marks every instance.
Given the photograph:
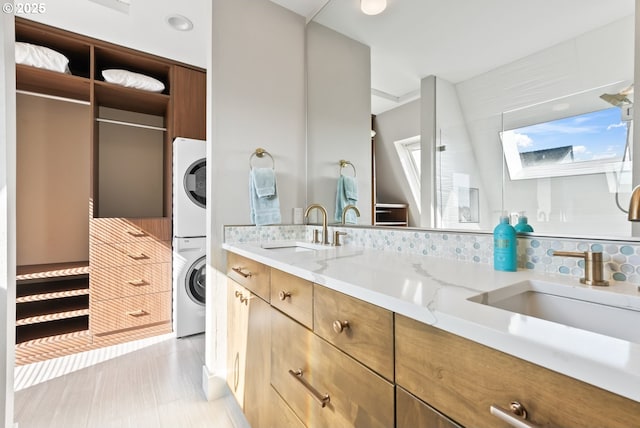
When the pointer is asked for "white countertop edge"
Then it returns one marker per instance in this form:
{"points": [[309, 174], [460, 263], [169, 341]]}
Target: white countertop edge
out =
{"points": [[582, 367]]}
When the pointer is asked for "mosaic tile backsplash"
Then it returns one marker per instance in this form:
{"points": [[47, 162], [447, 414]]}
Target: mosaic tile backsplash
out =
{"points": [[622, 259]]}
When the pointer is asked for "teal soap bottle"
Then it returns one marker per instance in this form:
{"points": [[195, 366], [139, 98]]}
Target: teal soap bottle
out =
{"points": [[504, 246], [523, 225]]}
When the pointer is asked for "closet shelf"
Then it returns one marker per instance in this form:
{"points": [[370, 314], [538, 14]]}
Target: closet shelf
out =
{"points": [[53, 270], [119, 97], [37, 80], [52, 317], [55, 295]]}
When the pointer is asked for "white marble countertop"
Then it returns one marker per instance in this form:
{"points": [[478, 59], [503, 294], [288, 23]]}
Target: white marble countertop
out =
{"points": [[435, 291]]}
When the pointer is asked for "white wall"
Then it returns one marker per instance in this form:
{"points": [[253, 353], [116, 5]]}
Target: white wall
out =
{"points": [[456, 165], [7, 218], [257, 100], [594, 59], [391, 184], [338, 116]]}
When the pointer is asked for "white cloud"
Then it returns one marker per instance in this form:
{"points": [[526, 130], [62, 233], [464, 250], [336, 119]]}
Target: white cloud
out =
{"points": [[522, 140], [616, 125], [579, 149]]}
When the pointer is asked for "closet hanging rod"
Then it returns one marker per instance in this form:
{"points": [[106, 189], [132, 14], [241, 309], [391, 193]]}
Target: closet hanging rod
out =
{"points": [[52, 97], [135, 125]]}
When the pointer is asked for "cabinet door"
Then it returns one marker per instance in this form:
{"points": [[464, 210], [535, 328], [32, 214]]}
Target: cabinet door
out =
{"points": [[258, 394], [463, 379], [412, 413], [324, 386], [237, 329], [189, 96]]}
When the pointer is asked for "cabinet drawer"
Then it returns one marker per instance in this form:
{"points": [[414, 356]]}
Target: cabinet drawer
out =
{"points": [[412, 413], [249, 273], [293, 296], [129, 254], [111, 230], [130, 312], [462, 379], [125, 281], [357, 397], [360, 329]]}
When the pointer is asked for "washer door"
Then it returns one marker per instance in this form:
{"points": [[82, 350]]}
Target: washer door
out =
{"points": [[195, 281], [195, 182]]}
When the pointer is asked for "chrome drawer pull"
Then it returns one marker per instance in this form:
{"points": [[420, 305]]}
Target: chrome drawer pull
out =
{"points": [[282, 295], [339, 326], [140, 256], [323, 399], [516, 416], [138, 313], [241, 273], [138, 283], [136, 233]]}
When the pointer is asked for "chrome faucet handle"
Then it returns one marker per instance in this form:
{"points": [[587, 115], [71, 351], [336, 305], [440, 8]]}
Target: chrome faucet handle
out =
{"points": [[593, 266], [336, 238]]}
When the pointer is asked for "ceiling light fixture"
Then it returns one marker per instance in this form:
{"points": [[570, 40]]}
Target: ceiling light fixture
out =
{"points": [[373, 7], [179, 22]]}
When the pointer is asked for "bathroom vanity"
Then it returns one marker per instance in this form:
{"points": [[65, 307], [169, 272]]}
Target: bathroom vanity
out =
{"points": [[349, 336]]}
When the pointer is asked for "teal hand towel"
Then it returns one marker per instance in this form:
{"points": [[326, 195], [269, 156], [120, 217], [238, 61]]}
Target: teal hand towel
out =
{"points": [[264, 181], [346, 194], [263, 209]]}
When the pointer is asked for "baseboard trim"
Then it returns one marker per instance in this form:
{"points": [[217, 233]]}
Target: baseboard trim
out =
{"points": [[214, 387]]}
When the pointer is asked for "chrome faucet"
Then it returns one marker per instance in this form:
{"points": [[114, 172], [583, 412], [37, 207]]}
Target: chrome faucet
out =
{"points": [[325, 229], [347, 208], [593, 266]]}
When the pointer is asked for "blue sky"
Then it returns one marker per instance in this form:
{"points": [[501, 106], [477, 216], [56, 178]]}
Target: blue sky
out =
{"points": [[597, 135]]}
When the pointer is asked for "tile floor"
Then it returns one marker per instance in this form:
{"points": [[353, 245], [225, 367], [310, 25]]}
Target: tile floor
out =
{"points": [[151, 383]]}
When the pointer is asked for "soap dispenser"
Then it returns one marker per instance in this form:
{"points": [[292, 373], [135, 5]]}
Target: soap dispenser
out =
{"points": [[523, 225], [504, 246]]}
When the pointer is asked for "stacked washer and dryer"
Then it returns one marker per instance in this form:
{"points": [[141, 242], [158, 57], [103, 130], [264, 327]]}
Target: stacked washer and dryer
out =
{"points": [[189, 236]]}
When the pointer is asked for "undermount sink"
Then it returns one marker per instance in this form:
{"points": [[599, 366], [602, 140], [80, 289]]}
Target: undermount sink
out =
{"points": [[604, 312], [293, 246]]}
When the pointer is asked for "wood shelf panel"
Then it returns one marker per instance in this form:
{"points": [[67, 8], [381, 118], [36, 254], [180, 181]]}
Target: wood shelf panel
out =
{"points": [[37, 331], [52, 317], [54, 295], [52, 270], [48, 82], [129, 99]]}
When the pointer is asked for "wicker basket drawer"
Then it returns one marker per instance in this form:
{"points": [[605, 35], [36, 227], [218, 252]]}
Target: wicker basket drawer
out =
{"points": [[109, 316]]}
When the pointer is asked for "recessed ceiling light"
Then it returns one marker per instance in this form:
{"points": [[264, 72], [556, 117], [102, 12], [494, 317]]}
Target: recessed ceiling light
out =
{"points": [[373, 7], [179, 22]]}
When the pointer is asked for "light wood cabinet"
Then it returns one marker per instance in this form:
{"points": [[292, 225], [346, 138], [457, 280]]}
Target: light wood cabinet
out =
{"points": [[324, 386], [412, 413], [463, 379], [360, 329], [250, 274], [293, 296], [249, 354]]}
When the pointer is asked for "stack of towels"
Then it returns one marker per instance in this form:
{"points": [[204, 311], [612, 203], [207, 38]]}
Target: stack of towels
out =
{"points": [[263, 197], [346, 194]]}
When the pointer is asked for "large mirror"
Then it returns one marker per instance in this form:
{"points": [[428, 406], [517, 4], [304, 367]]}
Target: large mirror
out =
{"points": [[465, 93]]}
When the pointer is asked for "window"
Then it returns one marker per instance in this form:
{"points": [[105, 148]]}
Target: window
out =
{"points": [[589, 143], [409, 154]]}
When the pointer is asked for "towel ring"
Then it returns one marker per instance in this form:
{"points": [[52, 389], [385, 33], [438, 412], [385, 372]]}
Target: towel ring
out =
{"points": [[260, 152], [344, 163]]}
